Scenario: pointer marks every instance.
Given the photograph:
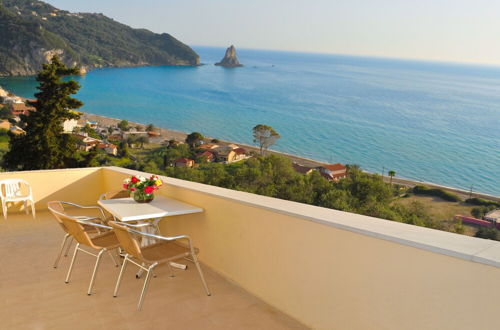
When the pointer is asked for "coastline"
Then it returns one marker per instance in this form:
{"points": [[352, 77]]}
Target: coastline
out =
{"points": [[179, 135]]}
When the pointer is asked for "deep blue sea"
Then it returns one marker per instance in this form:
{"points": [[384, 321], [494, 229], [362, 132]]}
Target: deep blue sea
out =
{"points": [[428, 121]]}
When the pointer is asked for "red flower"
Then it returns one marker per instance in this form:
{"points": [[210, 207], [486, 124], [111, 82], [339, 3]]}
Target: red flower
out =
{"points": [[125, 186], [132, 189], [148, 190], [134, 179]]}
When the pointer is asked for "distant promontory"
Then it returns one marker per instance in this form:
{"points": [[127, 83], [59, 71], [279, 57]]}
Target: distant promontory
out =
{"points": [[230, 60], [32, 31]]}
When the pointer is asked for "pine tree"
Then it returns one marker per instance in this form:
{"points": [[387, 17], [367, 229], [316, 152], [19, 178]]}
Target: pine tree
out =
{"points": [[44, 146]]}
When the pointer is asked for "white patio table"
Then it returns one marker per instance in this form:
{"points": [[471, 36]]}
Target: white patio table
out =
{"points": [[128, 210]]}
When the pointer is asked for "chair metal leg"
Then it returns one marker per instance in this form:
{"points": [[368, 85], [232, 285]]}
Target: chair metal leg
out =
{"points": [[170, 269], [69, 246], [119, 281], [196, 262], [145, 287], [56, 263], [72, 263], [4, 209], [33, 209], [113, 258], [26, 206], [89, 292]]}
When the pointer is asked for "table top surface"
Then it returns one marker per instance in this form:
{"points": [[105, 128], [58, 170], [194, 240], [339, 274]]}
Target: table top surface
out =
{"points": [[126, 209]]}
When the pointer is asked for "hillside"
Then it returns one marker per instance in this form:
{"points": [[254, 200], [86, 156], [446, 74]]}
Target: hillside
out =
{"points": [[32, 31]]}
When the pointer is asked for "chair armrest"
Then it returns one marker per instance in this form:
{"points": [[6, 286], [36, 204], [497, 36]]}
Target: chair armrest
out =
{"points": [[95, 207], [93, 224], [139, 225], [163, 238]]}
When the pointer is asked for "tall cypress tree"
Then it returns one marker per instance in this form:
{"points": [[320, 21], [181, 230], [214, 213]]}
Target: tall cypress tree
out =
{"points": [[45, 146]]}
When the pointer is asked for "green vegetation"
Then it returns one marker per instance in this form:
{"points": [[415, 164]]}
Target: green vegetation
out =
{"points": [[482, 202], [392, 174], [488, 233], [264, 136], [194, 139], [92, 40], [44, 146], [123, 125], [5, 113], [447, 196], [480, 211]]}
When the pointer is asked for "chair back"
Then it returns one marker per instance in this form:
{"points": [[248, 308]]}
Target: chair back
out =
{"points": [[127, 241], [76, 230], [57, 209], [115, 194], [11, 188]]}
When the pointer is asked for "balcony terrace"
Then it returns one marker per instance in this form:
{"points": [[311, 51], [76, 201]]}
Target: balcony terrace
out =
{"points": [[270, 264]]}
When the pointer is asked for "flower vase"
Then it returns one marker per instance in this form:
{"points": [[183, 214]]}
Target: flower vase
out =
{"points": [[142, 197]]}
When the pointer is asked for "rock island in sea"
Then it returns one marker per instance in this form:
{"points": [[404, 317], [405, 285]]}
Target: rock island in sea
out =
{"points": [[230, 60]]}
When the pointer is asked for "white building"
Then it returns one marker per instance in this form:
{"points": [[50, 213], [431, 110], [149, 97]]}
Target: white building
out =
{"points": [[69, 125]]}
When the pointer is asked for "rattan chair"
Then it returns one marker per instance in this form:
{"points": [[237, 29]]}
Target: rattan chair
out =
{"points": [[148, 257], [57, 207], [103, 242]]}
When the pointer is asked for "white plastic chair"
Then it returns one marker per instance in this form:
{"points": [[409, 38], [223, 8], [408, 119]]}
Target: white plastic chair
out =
{"points": [[11, 191]]}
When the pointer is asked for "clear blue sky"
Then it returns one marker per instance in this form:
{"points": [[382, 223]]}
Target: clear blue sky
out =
{"points": [[446, 30]]}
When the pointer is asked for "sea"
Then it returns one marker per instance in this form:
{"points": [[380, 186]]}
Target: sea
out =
{"points": [[428, 121]]}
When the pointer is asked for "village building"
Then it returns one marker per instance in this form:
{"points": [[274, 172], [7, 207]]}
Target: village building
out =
{"points": [[184, 162], [228, 154], [207, 156], [302, 169], [333, 172], [18, 109], [69, 125], [5, 124], [17, 130], [87, 142], [110, 148]]}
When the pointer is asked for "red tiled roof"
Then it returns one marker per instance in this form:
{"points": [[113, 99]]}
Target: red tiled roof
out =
{"points": [[184, 160], [206, 154], [335, 167], [240, 151]]}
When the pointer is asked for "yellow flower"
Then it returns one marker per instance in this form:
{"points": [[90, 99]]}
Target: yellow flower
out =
{"points": [[158, 183]]}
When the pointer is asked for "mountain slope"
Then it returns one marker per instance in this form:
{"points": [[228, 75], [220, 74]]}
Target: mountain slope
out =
{"points": [[32, 31]]}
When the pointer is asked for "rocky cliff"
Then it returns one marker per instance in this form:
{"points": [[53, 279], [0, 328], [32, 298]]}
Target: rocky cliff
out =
{"points": [[31, 32], [230, 60]]}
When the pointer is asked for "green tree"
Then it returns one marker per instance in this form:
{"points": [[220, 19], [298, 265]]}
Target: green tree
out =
{"points": [[123, 125], [90, 132], [194, 139], [142, 140], [5, 113], [150, 128], [44, 145], [264, 136], [391, 174]]}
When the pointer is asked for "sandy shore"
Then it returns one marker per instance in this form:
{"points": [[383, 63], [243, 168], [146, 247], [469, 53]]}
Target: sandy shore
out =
{"points": [[168, 134]]}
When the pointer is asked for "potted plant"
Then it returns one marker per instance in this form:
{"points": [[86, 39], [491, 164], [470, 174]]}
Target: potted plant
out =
{"points": [[141, 188]]}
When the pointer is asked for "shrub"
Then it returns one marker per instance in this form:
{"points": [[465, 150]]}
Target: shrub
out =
{"points": [[482, 202], [447, 196]]}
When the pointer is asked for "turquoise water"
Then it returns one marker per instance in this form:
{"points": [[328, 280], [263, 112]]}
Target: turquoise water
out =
{"points": [[427, 121]]}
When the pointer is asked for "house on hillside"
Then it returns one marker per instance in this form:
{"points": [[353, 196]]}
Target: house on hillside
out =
{"points": [[230, 153], [5, 124], [18, 109], [302, 169], [110, 148], [69, 125], [17, 130], [87, 142], [333, 172], [184, 162], [207, 156], [92, 124]]}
